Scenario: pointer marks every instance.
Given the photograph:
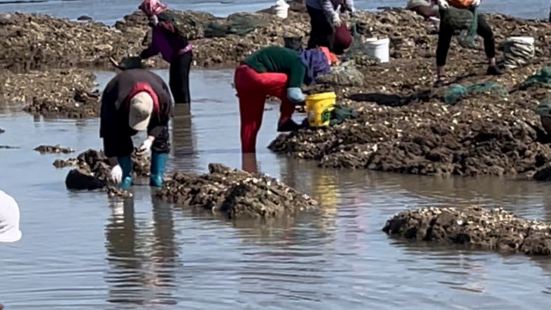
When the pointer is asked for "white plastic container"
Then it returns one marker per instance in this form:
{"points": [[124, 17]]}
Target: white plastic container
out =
{"points": [[282, 9], [521, 40], [517, 51], [378, 48]]}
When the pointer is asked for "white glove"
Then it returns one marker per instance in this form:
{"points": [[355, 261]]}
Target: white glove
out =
{"points": [[476, 3], [146, 145], [443, 4], [116, 174], [336, 20], [154, 20]]}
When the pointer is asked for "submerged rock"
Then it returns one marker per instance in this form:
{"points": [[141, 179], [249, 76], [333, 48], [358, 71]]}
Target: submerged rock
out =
{"points": [[84, 18], [80, 179], [475, 227], [235, 193], [55, 149], [92, 169], [543, 174], [2, 130]]}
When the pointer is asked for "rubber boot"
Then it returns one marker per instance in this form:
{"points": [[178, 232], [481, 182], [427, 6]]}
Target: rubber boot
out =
{"points": [[126, 165], [158, 163]]}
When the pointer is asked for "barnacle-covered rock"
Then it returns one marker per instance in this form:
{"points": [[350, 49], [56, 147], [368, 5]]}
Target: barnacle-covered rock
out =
{"points": [[473, 226], [235, 193]]}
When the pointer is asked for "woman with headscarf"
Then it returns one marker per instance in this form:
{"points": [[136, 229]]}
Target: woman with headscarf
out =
{"points": [[279, 72], [175, 49]]}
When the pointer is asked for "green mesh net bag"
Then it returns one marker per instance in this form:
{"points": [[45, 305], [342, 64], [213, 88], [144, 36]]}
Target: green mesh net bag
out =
{"points": [[457, 92]]}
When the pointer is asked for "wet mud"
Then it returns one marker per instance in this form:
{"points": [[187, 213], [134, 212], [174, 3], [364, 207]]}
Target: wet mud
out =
{"points": [[474, 227], [235, 194], [33, 42], [404, 124], [38, 42]]}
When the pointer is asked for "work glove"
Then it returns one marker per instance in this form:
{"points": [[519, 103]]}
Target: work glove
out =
{"points": [[116, 174], [146, 145], [295, 95], [475, 3], [336, 20], [443, 4]]}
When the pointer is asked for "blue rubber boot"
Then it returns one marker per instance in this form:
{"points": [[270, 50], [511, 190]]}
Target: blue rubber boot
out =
{"points": [[126, 165], [158, 163]]}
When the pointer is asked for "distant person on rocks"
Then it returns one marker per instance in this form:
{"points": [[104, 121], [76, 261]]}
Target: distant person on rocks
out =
{"points": [[279, 72], [425, 8], [9, 219], [326, 27], [135, 100], [445, 37], [174, 48]]}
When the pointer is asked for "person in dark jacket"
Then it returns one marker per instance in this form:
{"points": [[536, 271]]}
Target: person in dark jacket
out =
{"points": [[445, 37], [279, 72], [175, 49], [325, 20], [135, 100]]}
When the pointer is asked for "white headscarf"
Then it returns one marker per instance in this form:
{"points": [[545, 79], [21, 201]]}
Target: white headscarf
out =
{"points": [[9, 219]]}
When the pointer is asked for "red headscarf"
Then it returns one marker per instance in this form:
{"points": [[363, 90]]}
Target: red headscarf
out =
{"points": [[152, 7]]}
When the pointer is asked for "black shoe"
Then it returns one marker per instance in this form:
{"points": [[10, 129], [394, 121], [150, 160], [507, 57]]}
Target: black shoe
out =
{"points": [[494, 70], [288, 125], [440, 82]]}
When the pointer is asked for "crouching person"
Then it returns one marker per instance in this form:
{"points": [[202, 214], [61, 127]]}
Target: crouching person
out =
{"points": [[135, 100], [279, 72]]}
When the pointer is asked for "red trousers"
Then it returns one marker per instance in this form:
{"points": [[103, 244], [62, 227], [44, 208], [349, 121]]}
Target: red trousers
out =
{"points": [[252, 90]]}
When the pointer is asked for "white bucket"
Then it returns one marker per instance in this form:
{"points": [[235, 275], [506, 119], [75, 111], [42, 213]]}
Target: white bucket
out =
{"points": [[522, 40], [517, 51], [379, 49], [282, 9]]}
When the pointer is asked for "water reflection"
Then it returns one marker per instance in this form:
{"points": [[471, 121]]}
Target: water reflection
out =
{"points": [[249, 163], [142, 256], [184, 148]]}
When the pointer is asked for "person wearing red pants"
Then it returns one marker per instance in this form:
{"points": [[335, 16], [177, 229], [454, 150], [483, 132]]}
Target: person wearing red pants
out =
{"points": [[278, 72]]}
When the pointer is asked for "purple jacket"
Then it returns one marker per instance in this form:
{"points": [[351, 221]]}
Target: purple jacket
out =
{"points": [[166, 43]]}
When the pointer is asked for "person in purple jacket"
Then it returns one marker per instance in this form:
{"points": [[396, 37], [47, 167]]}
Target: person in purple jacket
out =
{"points": [[175, 49]]}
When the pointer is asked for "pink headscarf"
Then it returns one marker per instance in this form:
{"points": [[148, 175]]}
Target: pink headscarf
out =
{"points": [[152, 7]]}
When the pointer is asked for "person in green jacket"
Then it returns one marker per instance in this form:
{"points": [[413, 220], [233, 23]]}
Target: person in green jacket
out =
{"points": [[279, 72]]}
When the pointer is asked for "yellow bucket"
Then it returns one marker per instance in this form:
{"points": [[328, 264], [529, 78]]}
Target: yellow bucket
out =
{"points": [[319, 107]]}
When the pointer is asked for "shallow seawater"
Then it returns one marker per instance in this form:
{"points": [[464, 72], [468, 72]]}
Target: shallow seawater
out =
{"points": [[81, 251]]}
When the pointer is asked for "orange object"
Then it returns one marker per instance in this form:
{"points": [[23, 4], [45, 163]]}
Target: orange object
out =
{"points": [[461, 4], [330, 56]]}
